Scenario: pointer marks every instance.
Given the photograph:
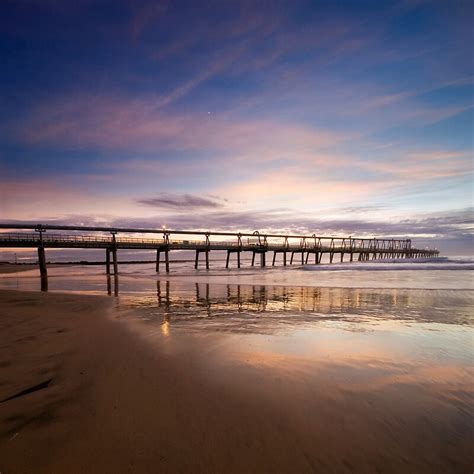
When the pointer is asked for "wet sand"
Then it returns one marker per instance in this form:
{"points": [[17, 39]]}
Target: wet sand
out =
{"points": [[121, 399], [24, 267], [14, 268]]}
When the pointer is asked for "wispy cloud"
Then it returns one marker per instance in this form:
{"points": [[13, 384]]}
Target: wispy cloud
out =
{"points": [[184, 202], [145, 15], [114, 123]]}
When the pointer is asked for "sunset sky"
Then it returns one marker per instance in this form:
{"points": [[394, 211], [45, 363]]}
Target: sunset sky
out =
{"points": [[340, 117]]}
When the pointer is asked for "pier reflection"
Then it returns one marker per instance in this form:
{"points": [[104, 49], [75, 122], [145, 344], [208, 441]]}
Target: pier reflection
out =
{"points": [[116, 285], [261, 298], [260, 308]]}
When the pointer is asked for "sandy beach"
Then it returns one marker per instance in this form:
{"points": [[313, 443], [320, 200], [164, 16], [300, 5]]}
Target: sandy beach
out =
{"points": [[121, 399]]}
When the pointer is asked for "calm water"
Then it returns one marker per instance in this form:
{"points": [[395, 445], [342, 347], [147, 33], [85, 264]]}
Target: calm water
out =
{"points": [[390, 343]]}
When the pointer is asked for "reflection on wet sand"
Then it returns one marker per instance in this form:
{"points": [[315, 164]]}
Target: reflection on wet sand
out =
{"points": [[116, 285], [44, 283], [379, 375], [238, 307]]}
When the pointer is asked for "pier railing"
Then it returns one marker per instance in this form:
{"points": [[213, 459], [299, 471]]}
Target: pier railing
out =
{"points": [[339, 243], [320, 243]]}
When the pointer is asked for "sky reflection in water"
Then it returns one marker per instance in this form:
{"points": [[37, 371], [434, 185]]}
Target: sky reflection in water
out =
{"points": [[382, 369]]}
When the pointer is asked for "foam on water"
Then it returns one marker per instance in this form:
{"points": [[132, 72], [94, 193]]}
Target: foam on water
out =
{"points": [[440, 263]]}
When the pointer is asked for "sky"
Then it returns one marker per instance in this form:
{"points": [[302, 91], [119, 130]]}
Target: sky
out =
{"points": [[327, 117]]}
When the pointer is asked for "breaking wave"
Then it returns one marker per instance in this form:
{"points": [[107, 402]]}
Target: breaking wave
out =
{"points": [[439, 263]]}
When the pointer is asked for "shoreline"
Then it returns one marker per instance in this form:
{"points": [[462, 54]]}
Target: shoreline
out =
{"points": [[125, 396]]}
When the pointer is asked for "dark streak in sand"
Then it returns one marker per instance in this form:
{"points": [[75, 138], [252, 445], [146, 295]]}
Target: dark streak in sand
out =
{"points": [[29, 390]]}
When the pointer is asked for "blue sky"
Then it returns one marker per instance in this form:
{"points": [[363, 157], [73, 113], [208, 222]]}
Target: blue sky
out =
{"points": [[342, 117]]}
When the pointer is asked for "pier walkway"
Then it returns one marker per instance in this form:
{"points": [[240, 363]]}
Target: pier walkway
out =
{"points": [[306, 248]]}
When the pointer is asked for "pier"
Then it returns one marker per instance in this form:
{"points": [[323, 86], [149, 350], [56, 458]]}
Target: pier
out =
{"points": [[283, 248]]}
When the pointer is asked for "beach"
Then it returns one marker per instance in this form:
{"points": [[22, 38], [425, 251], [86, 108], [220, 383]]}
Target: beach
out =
{"points": [[140, 387]]}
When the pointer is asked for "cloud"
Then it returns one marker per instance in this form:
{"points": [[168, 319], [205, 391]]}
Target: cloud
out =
{"points": [[450, 224], [184, 202], [118, 123], [426, 165], [145, 16]]}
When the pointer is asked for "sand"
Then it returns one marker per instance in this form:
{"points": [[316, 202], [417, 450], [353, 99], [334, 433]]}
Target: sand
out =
{"points": [[113, 405], [120, 402], [14, 268]]}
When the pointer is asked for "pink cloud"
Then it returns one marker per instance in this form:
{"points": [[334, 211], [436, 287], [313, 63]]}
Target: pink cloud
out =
{"points": [[42, 198], [110, 123], [427, 165]]}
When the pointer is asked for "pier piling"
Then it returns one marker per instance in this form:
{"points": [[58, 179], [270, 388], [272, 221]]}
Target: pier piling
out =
{"points": [[42, 262], [107, 261], [114, 258]]}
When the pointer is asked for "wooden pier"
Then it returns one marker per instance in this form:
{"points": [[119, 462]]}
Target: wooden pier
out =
{"points": [[306, 248]]}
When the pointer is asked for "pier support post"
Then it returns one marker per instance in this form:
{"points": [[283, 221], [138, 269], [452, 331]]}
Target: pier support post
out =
{"points": [[331, 257], [302, 257], [291, 259], [207, 259], [107, 261], [196, 260], [167, 260], [227, 259], [238, 259], [284, 258], [158, 256], [253, 258], [274, 257], [114, 257], [42, 262], [262, 259], [342, 257], [44, 283], [352, 256]]}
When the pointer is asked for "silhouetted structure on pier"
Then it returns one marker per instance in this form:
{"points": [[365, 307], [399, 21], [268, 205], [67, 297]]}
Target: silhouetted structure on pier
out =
{"points": [[108, 238]]}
